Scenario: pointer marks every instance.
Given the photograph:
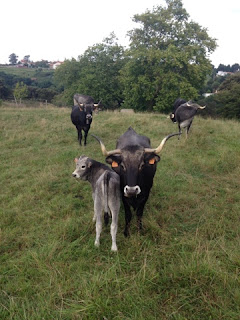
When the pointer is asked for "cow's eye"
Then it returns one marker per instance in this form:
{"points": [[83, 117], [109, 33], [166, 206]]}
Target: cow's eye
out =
{"points": [[83, 167], [141, 166], [123, 166]]}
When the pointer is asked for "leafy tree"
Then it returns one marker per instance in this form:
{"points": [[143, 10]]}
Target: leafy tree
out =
{"points": [[20, 91], [26, 58], [13, 58], [226, 102], [229, 97], [96, 73], [4, 90], [41, 64], [168, 58]]}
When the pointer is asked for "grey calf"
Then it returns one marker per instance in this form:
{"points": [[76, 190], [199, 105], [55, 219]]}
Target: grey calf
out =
{"points": [[106, 193]]}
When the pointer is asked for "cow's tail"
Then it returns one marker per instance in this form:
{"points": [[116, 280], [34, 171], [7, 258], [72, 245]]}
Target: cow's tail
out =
{"points": [[105, 192]]}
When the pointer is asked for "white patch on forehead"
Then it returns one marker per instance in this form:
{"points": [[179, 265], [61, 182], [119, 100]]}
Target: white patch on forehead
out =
{"points": [[81, 160]]}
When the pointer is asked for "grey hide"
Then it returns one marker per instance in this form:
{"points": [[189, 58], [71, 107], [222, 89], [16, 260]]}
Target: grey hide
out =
{"points": [[106, 193]]}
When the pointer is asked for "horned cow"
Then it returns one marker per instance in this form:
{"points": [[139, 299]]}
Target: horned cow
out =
{"points": [[183, 113], [81, 114], [135, 162]]}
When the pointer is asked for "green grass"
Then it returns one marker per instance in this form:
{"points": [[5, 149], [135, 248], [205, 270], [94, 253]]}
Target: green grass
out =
{"points": [[24, 72], [184, 266]]}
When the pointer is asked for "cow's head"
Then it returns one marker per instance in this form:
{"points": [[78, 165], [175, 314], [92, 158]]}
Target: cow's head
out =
{"points": [[83, 165], [172, 117], [88, 109], [135, 165]]}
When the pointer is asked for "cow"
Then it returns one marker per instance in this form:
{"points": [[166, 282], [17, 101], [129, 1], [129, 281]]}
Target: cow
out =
{"points": [[81, 114], [82, 99], [82, 118], [106, 193], [135, 162], [183, 113]]}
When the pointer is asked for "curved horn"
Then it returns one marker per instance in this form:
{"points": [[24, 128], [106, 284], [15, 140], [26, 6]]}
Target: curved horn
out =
{"points": [[159, 148], [103, 148], [202, 107]]}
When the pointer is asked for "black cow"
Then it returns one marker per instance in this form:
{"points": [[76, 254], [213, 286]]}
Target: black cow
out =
{"points": [[183, 113], [81, 115], [82, 118], [135, 162]]}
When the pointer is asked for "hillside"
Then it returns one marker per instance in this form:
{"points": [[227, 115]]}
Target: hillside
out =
{"points": [[185, 265], [25, 72]]}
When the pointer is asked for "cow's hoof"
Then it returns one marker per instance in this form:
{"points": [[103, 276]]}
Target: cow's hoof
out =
{"points": [[114, 248], [126, 233], [97, 243]]}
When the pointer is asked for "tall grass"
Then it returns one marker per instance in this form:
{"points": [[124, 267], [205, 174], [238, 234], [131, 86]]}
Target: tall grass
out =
{"points": [[186, 263]]}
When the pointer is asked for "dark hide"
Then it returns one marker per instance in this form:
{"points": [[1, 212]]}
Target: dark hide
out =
{"points": [[177, 104], [82, 118], [183, 113], [136, 173]]}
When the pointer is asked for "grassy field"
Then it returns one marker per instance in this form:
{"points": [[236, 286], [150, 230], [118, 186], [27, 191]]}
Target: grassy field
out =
{"points": [[184, 266], [24, 72]]}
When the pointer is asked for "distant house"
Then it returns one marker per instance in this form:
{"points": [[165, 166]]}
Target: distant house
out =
{"points": [[56, 64], [223, 73], [207, 94]]}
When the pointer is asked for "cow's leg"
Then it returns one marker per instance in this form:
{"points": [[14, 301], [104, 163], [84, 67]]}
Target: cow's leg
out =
{"points": [[140, 213], [79, 135], [180, 131], [98, 216], [85, 136], [114, 226], [128, 218], [94, 215], [114, 207], [188, 128]]}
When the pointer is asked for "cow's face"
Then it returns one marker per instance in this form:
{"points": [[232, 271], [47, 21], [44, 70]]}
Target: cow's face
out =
{"points": [[83, 165], [88, 110], [173, 118], [134, 166]]}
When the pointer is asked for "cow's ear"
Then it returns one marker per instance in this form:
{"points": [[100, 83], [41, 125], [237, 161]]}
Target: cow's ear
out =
{"points": [[114, 164], [114, 161], [152, 159], [76, 160]]}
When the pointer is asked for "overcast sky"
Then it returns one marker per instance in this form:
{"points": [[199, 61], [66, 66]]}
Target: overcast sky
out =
{"points": [[51, 30]]}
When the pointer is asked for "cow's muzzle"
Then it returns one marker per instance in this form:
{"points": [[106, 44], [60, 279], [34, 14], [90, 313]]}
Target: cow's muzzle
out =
{"points": [[75, 175], [131, 191]]}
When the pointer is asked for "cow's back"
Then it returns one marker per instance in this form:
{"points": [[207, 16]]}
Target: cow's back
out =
{"points": [[131, 138], [82, 99], [185, 112]]}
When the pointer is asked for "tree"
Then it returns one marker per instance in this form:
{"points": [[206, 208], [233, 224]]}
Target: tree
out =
{"points": [[4, 90], [20, 92], [228, 97], [226, 102], [26, 58], [13, 58], [168, 58], [96, 73]]}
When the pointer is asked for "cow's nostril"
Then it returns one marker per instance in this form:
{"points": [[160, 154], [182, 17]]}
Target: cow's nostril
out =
{"points": [[74, 175], [132, 191]]}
